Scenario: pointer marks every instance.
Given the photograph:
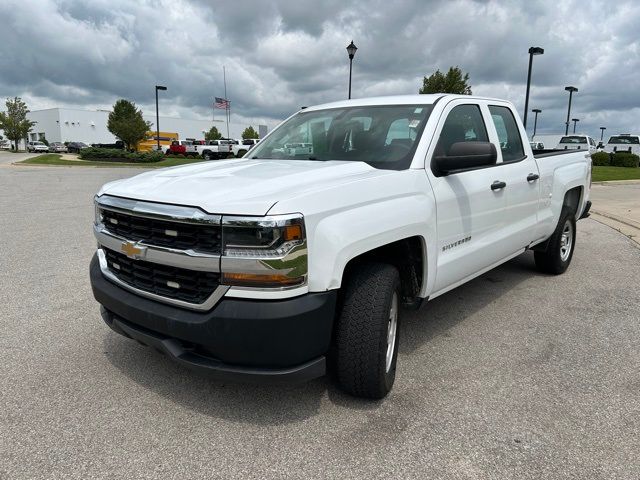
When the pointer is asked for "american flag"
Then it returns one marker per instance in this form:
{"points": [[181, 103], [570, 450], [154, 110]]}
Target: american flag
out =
{"points": [[221, 103]]}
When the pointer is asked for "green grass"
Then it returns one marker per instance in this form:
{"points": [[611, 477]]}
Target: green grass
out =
{"points": [[55, 159], [601, 174]]}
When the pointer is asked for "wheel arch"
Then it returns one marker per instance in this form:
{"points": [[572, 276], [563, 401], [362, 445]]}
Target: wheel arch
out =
{"points": [[408, 255]]}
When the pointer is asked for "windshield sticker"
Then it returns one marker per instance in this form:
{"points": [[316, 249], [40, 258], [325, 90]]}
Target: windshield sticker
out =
{"points": [[418, 110]]}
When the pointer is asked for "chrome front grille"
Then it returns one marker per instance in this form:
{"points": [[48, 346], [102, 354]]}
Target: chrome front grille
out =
{"points": [[164, 252], [206, 238], [170, 282]]}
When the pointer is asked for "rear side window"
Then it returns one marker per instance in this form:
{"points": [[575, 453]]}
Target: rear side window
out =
{"points": [[463, 124], [508, 133]]}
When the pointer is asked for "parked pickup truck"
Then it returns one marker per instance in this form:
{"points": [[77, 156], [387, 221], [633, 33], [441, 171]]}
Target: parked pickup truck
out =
{"points": [[214, 149], [623, 143], [577, 142], [181, 147], [241, 148], [273, 266]]}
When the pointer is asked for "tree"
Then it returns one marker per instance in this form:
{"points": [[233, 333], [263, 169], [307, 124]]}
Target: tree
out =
{"points": [[453, 82], [14, 121], [212, 134], [126, 123], [249, 132]]}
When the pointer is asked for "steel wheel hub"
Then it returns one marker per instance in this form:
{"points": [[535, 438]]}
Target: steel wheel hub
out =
{"points": [[566, 241], [392, 328]]}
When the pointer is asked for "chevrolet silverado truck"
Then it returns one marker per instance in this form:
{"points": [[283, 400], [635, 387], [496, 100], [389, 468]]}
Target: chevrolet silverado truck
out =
{"points": [[279, 265]]}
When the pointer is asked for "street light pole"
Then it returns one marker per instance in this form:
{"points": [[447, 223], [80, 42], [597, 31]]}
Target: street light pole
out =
{"points": [[570, 90], [535, 121], [351, 50], [575, 120], [158, 87], [532, 51], [602, 129]]}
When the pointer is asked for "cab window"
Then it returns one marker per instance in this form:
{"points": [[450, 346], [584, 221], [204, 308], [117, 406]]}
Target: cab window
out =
{"points": [[508, 133], [463, 124]]}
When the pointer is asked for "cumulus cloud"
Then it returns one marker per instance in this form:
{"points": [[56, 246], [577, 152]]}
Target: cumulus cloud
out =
{"points": [[284, 54]]}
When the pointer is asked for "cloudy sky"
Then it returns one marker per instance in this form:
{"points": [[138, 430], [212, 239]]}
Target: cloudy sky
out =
{"points": [[280, 55]]}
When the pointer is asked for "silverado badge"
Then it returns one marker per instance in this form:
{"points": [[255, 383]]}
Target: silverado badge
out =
{"points": [[131, 250]]}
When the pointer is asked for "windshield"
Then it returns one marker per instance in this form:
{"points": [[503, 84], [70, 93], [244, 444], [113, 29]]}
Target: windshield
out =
{"points": [[574, 139], [625, 140], [382, 136]]}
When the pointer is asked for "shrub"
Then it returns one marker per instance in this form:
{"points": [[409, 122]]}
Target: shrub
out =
{"points": [[117, 155], [625, 159], [600, 159]]}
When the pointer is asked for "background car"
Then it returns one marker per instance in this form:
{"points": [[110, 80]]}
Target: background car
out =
{"points": [[5, 145], [75, 147], [37, 147], [57, 147]]}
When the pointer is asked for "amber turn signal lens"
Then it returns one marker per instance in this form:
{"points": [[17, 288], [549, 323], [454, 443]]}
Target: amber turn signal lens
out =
{"points": [[292, 232], [255, 280]]}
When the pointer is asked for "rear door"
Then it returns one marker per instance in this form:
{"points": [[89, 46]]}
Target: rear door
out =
{"points": [[520, 172], [470, 213]]}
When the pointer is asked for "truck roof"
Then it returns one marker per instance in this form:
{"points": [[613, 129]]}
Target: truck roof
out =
{"points": [[417, 99]]}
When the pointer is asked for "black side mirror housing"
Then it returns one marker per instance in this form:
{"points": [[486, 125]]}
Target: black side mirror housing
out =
{"points": [[465, 155]]}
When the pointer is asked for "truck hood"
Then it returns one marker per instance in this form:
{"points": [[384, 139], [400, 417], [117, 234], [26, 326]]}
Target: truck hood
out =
{"points": [[240, 187]]}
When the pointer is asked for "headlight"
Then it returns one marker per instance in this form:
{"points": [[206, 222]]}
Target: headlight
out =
{"points": [[269, 252], [97, 213]]}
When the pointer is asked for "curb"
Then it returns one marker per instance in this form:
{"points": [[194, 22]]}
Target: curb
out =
{"points": [[617, 182]]}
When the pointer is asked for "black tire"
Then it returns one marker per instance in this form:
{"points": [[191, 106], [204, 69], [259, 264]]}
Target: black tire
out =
{"points": [[362, 331], [241, 153], [556, 259], [207, 155]]}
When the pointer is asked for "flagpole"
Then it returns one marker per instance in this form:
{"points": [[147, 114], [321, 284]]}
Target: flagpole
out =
{"points": [[224, 75]]}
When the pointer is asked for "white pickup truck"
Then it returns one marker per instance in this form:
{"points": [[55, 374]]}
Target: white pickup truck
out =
{"points": [[273, 266], [577, 142], [623, 143], [214, 149], [241, 148]]}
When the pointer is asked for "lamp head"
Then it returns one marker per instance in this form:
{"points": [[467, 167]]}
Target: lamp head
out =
{"points": [[351, 49]]}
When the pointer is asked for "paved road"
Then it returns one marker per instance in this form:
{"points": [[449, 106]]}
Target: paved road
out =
{"points": [[514, 375], [618, 205], [7, 158]]}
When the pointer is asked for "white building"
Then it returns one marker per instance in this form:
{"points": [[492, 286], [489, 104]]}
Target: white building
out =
{"points": [[90, 126]]}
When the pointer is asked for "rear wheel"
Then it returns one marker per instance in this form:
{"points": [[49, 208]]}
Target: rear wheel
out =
{"points": [[241, 153], [206, 155], [557, 257], [367, 331]]}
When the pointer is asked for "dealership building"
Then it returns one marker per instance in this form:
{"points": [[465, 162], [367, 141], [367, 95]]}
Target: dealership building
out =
{"points": [[90, 126]]}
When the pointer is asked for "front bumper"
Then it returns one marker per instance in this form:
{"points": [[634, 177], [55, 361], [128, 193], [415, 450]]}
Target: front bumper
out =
{"points": [[247, 340]]}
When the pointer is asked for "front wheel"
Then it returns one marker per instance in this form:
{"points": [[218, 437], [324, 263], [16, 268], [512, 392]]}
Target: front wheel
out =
{"points": [[367, 331], [557, 257]]}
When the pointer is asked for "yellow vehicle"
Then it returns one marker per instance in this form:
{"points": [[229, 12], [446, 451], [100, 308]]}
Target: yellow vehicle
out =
{"points": [[151, 142]]}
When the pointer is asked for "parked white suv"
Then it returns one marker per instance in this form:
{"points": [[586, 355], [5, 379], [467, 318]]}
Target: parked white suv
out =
{"points": [[37, 147]]}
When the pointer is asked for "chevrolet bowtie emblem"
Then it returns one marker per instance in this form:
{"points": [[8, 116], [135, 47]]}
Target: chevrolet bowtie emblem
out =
{"points": [[132, 250]]}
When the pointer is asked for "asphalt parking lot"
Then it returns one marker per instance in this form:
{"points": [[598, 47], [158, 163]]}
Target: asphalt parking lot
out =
{"points": [[514, 375]]}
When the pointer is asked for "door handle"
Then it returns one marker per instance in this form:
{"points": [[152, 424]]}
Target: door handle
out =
{"points": [[498, 185], [532, 177]]}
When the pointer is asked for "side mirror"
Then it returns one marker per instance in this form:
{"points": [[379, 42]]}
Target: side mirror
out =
{"points": [[464, 155]]}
